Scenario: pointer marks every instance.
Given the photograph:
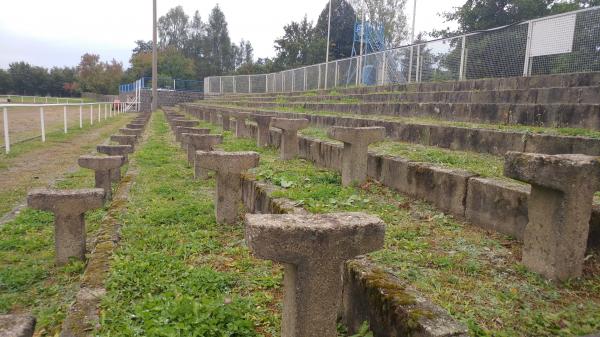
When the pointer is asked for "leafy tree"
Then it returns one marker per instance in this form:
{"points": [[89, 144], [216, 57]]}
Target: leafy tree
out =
{"points": [[174, 64], [218, 49], [173, 28], [5, 82], [296, 47], [343, 18], [142, 47], [99, 77]]}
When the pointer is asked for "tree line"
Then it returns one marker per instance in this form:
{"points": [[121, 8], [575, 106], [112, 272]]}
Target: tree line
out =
{"points": [[193, 48]]}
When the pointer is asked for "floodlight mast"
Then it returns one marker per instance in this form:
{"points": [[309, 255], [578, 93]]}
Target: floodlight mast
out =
{"points": [[328, 37], [154, 62]]}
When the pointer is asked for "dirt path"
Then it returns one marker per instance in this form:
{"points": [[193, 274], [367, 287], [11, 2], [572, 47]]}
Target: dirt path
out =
{"points": [[40, 167]]}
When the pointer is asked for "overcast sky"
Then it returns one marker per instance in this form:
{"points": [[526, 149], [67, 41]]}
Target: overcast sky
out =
{"points": [[58, 32]]}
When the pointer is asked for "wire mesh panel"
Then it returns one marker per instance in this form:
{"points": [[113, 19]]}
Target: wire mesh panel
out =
{"points": [[258, 83], [242, 84], [312, 77], [298, 75], [288, 84], [214, 85], [346, 72], [396, 65], [499, 53], [371, 69], [227, 84], [440, 60]]}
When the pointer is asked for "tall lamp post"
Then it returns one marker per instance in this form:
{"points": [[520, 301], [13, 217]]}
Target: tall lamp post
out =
{"points": [[154, 104], [328, 37]]}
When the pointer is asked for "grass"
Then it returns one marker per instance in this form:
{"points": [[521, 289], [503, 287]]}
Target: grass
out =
{"points": [[29, 280], [432, 121], [475, 275], [482, 164], [178, 273]]}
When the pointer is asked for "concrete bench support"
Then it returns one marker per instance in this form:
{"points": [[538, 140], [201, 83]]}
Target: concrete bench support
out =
{"points": [[116, 150], [123, 139], [68, 207], [264, 124], [289, 135], [199, 143], [225, 119], [356, 147], [560, 207], [240, 124], [229, 167], [102, 167], [313, 249], [132, 132], [179, 130]]}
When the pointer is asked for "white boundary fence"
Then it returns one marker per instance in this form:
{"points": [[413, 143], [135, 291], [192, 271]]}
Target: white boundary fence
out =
{"points": [[563, 43], [95, 110], [41, 99]]}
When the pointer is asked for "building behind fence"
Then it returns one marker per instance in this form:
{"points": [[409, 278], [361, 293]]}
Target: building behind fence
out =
{"points": [[563, 43]]}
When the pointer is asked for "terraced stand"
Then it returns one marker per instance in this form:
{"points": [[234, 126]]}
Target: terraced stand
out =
{"points": [[240, 123], [132, 132], [124, 139], [69, 225], [195, 143]]}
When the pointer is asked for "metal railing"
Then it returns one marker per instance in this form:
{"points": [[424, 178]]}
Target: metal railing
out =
{"points": [[164, 83], [40, 99], [563, 43], [21, 118]]}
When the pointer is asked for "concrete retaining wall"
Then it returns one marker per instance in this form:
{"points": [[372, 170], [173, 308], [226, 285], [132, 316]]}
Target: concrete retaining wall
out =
{"points": [[492, 204], [450, 137]]}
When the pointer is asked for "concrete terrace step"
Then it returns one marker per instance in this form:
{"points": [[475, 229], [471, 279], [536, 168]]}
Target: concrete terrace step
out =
{"points": [[585, 116], [509, 83], [571, 95], [496, 142]]}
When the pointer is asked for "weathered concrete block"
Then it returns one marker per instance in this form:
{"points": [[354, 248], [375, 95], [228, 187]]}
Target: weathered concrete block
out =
{"points": [[560, 207], [498, 205], [17, 325], [225, 120], [356, 144], [179, 130], [123, 139], [68, 207], [132, 132], [264, 124], [116, 150], [102, 167], [313, 249], [240, 124], [229, 167], [289, 136]]}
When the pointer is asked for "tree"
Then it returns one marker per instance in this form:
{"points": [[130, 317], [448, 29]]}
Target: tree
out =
{"points": [[390, 14], [173, 28], [142, 47], [343, 18], [174, 64], [5, 82], [296, 47], [99, 77], [218, 49]]}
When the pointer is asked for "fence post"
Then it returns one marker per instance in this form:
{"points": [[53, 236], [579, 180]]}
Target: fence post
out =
{"points": [[461, 75], [266, 83], [293, 80], [220, 85], [234, 88], [42, 124], [249, 84], [417, 73], [304, 79], [335, 80], [174, 88], [6, 137], [99, 114], [81, 116], [319, 83], [57, 100], [410, 64], [105, 112], [526, 66], [383, 66], [91, 114], [65, 117]]}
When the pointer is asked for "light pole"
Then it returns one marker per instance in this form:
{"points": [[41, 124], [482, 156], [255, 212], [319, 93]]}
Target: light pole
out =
{"points": [[328, 37], [154, 104]]}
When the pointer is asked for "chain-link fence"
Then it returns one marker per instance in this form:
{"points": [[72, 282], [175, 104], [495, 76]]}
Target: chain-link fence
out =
{"points": [[561, 43]]}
